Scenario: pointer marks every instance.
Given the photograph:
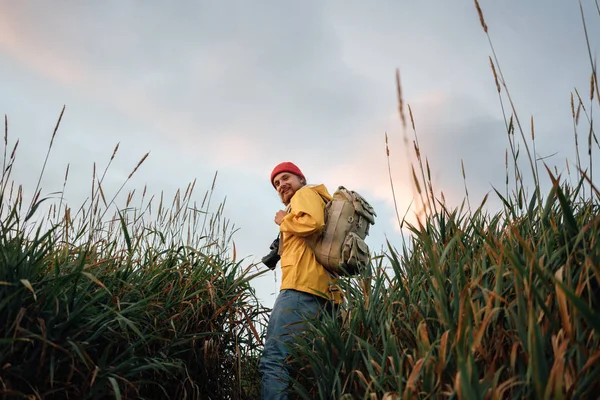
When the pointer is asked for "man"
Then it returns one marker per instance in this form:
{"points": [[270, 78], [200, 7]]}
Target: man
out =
{"points": [[306, 287]]}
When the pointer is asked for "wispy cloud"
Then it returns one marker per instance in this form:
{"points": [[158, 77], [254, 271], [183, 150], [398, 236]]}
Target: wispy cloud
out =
{"points": [[19, 45]]}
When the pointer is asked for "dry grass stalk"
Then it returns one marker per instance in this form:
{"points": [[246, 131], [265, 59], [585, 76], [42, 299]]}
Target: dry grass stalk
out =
{"points": [[592, 81], [483, 24], [114, 153], [400, 100], [495, 75], [138, 165]]}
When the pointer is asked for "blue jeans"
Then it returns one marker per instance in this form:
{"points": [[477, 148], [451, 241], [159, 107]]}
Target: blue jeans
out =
{"points": [[291, 307]]}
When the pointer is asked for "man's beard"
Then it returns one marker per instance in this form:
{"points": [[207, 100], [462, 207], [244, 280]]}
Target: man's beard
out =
{"points": [[286, 196]]}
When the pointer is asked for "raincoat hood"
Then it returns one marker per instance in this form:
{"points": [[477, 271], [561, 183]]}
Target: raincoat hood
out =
{"points": [[322, 191]]}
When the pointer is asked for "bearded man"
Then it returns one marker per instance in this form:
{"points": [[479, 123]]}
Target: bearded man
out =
{"points": [[307, 289]]}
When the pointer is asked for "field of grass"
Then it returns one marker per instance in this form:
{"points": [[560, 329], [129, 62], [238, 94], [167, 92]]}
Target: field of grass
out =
{"points": [[144, 304], [484, 306], [476, 305], [149, 302]]}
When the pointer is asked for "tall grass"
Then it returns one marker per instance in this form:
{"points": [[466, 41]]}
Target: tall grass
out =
{"points": [[147, 303], [475, 305], [482, 307]]}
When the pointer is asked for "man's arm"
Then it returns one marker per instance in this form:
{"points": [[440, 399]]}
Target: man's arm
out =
{"points": [[307, 215]]}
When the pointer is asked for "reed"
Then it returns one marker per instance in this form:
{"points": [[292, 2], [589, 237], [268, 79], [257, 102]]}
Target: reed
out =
{"points": [[147, 303], [475, 304]]}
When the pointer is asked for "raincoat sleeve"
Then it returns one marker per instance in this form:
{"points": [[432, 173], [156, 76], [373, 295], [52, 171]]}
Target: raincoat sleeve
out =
{"points": [[307, 214]]}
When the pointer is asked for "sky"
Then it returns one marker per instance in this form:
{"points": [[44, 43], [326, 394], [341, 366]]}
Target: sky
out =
{"points": [[235, 87]]}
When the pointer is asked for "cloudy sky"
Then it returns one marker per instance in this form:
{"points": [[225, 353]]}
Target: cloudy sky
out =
{"points": [[239, 86]]}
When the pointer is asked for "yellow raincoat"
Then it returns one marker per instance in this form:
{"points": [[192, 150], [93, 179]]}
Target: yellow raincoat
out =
{"points": [[299, 267]]}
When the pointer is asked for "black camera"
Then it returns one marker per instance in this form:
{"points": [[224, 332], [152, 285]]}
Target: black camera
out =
{"points": [[271, 259]]}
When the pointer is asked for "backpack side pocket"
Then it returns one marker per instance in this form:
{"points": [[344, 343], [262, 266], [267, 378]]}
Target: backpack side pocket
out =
{"points": [[355, 254]]}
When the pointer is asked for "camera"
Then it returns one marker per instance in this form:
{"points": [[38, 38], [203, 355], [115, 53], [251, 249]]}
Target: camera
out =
{"points": [[271, 259]]}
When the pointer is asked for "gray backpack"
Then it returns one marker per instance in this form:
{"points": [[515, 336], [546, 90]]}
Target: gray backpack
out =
{"points": [[341, 246]]}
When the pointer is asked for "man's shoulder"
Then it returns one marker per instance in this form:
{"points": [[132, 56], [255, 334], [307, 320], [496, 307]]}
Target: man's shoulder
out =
{"points": [[306, 191], [314, 192], [311, 187]]}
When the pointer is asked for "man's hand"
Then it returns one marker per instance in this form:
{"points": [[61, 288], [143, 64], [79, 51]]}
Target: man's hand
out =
{"points": [[279, 217]]}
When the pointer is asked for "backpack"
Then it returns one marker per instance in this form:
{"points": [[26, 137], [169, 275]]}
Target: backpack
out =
{"points": [[341, 246]]}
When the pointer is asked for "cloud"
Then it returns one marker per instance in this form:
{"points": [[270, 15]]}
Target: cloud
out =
{"points": [[275, 74], [235, 150], [451, 131], [44, 59]]}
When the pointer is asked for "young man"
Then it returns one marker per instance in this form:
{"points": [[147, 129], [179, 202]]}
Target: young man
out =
{"points": [[306, 287]]}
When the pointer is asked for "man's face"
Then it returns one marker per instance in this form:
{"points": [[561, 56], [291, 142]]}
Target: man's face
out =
{"points": [[286, 185]]}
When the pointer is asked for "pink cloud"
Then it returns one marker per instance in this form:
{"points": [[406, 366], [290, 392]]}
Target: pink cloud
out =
{"points": [[45, 56], [37, 54], [367, 168]]}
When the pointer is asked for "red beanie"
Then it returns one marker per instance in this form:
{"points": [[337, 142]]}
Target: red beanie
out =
{"points": [[286, 167]]}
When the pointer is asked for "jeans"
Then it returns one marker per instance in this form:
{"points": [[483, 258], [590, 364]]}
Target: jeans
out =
{"points": [[291, 307]]}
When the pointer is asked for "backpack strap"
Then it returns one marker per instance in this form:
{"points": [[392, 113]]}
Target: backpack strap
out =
{"points": [[334, 215], [309, 242]]}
